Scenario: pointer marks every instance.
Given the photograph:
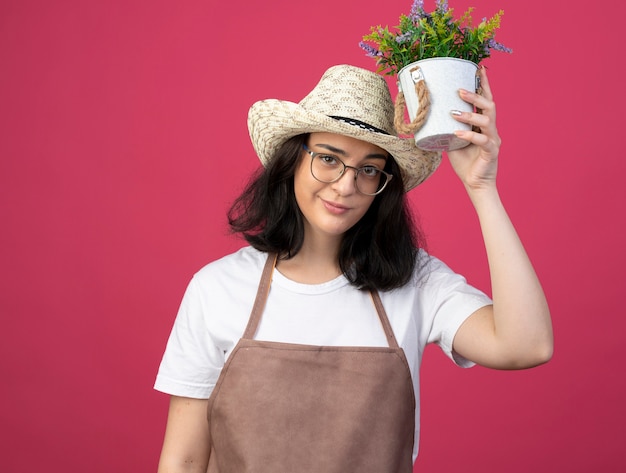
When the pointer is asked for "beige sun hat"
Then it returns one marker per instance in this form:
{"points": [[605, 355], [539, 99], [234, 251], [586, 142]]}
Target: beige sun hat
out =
{"points": [[348, 101]]}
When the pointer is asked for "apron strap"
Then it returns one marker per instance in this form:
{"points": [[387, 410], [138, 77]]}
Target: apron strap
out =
{"points": [[264, 289], [261, 296], [384, 320]]}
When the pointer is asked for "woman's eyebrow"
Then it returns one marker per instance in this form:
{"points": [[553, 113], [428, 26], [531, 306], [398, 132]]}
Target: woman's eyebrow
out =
{"points": [[341, 152], [331, 148]]}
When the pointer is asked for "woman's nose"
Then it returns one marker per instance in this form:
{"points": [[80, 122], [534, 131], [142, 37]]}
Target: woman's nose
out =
{"points": [[346, 184]]}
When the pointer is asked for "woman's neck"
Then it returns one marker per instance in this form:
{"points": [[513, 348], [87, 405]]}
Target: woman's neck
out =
{"points": [[316, 262]]}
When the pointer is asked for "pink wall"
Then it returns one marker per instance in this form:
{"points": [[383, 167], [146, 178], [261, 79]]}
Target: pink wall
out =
{"points": [[123, 139]]}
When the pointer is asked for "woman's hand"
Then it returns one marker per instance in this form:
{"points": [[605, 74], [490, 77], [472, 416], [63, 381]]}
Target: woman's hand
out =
{"points": [[476, 164]]}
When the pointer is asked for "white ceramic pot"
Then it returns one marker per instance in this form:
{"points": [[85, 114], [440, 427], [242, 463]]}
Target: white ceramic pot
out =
{"points": [[444, 76]]}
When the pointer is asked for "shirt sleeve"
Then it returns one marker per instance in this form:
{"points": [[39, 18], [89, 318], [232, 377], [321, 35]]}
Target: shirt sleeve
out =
{"points": [[191, 363], [451, 301]]}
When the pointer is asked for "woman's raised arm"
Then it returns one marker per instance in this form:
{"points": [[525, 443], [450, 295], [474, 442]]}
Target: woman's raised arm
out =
{"points": [[516, 332]]}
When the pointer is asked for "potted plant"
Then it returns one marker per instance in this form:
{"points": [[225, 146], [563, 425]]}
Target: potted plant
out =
{"points": [[433, 55]]}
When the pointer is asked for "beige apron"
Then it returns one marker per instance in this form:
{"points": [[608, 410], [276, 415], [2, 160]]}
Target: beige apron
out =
{"points": [[287, 408]]}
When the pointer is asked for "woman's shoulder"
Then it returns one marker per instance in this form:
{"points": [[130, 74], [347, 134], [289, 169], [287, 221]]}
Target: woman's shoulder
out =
{"points": [[426, 265], [246, 260], [431, 274], [437, 277], [227, 282]]}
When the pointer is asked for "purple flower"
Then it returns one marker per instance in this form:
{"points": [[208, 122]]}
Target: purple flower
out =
{"points": [[417, 10], [403, 38], [370, 50], [492, 44], [442, 6]]}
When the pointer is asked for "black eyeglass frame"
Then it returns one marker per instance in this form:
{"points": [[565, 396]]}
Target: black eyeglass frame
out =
{"points": [[314, 154]]}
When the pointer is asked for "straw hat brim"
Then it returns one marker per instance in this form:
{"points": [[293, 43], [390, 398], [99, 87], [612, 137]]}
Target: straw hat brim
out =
{"points": [[272, 122]]}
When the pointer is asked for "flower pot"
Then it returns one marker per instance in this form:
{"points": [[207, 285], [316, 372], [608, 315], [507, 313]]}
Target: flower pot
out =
{"points": [[442, 77]]}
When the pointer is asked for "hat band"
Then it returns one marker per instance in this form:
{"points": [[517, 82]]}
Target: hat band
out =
{"points": [[360, 124]]}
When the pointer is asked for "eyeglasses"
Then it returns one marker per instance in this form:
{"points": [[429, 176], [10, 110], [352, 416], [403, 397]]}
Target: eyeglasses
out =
{"points": [[329, 168]]}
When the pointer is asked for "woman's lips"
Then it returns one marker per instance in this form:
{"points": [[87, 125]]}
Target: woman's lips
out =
{"points": [[334, 207]]}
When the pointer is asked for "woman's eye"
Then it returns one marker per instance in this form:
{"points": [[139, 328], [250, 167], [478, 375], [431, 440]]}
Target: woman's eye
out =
{"points": [[370, 171], [327, 159]]}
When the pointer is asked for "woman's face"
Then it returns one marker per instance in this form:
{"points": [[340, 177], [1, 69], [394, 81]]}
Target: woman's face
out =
{"points": [[331, 209]]}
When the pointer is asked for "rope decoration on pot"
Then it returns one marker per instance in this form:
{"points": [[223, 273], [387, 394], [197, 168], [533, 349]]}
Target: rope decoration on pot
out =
{"points": [[422, 113]]}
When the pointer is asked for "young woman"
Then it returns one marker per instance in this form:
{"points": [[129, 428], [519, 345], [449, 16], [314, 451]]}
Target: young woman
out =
{"points": [[301, 351]]}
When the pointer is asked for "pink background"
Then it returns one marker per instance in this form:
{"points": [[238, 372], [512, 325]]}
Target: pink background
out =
{"points": [[123, 139]]}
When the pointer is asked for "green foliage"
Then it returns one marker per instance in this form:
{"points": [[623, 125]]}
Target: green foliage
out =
{"points": [[422, 35]]}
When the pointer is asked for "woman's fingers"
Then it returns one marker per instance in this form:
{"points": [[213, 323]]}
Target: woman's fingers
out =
{"points": [[478, 139], [476, 119], [479, 121]]}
